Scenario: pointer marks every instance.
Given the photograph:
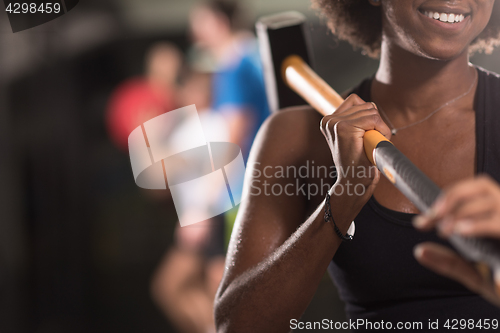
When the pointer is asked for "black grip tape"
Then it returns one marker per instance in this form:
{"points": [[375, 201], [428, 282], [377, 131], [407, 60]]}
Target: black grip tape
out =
{"points": [[407, 178], [422, 192]]}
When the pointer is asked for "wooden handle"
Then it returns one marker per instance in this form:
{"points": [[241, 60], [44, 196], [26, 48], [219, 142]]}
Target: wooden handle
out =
{"points": [[305, 82]]}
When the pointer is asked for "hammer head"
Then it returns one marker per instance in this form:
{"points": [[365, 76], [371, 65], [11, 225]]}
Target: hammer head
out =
{"points": [[280, 36]]}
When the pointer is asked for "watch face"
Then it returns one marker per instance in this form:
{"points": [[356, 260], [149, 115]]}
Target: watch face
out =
{"points": [[28, 14]]}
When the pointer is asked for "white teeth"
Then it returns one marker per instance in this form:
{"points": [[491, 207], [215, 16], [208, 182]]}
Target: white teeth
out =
{"points": [[445, 17]]}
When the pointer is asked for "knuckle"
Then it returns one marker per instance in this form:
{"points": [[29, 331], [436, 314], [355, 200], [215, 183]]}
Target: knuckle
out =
{"points": [[352, 97], [368, 112], [375, 118], [341, 126], [355, 99], [324, 122], [368, 105], [330, 123]]}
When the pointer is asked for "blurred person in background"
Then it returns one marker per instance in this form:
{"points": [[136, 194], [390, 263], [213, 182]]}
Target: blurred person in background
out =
{"points": [[238, 82], [138, 100], [187, 278], [238, 90]]}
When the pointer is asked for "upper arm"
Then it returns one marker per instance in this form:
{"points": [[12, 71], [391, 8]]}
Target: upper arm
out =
{"points": [[267, 215]]}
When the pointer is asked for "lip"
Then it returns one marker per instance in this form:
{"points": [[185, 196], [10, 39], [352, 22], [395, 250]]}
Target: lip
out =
{"points": [[443, 8], [452, 27]]}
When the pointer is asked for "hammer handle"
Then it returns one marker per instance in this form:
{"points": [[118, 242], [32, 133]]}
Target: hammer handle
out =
{"points": [[305, 82]]}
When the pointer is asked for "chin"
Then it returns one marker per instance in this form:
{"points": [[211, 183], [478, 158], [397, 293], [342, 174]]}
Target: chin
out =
{"points": [[444, 54], [443, 51]]}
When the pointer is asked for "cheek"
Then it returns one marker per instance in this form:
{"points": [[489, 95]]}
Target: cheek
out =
{"points": [[399, 24], [397, 18], [486, 10]]}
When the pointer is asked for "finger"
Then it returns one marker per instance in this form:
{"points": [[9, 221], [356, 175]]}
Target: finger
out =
{"points": [[476, 207], [444, 261], [349, 102], [449, 201], [463, 191], [363, 124], [327, 133], [356, 108], [380, 125], [384, 129], [347, 114], [479, 208], [359, 112], [489, 227]]}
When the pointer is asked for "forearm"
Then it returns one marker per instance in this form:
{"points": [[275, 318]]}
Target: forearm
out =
{"points": [[266, 297]]}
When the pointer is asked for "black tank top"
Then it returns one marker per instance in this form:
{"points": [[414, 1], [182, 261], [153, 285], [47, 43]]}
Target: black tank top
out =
{"points": [[377, 275]]}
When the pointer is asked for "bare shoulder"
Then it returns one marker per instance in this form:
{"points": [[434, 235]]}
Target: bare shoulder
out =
{"points": [[290, 135], [300, 119]]}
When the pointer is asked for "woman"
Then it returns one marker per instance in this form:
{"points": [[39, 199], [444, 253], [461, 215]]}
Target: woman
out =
{"points": [[441, 110]]}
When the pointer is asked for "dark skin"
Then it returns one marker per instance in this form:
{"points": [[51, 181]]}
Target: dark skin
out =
{"points": [[281, 247]]}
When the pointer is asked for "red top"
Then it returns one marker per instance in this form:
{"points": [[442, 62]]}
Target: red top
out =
{"points": [[132, 103]]}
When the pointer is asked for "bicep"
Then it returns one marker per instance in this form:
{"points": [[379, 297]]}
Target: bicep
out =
{"points": [[272, 209], [264, 223]]}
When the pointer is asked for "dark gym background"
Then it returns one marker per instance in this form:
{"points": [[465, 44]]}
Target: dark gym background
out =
{"points": [[78, 240]]}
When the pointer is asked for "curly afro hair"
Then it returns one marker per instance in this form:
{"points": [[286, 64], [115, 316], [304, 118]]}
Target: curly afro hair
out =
{"points": [[360, 23]]}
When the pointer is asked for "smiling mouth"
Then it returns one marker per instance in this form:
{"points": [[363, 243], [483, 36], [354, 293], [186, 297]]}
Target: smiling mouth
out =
{"points": [[450, 18]]}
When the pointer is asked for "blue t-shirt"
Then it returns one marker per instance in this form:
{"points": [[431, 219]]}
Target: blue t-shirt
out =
{"points": [[241, 85]]}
